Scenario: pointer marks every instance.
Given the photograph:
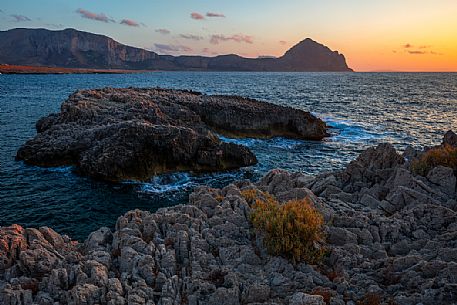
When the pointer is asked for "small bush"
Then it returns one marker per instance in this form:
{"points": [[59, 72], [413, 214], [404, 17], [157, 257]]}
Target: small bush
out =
{"points": [[370, 298], [219, 197], [326, 293], [293, 229], [250, 195], [445, 155]]}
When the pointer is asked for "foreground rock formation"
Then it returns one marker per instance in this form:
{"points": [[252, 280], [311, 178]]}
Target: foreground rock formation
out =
{"points": [[116, 134], [71, 48], [392, 239]]}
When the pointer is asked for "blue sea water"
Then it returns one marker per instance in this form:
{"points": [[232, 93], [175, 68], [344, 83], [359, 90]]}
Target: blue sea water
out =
{"points": [[363, 109]]}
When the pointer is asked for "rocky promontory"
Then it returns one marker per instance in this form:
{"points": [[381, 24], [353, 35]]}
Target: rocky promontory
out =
{"points": [[391, 238], [118, 134], [71, 48]]}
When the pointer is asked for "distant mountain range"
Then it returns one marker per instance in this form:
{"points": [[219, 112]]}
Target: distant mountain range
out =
{"points": [[71, 48]]}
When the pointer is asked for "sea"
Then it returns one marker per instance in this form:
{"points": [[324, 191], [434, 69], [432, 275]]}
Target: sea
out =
{"points": [[362, 110]]}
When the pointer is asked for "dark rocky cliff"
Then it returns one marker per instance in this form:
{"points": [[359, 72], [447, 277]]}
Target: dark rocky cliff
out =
{"points": [[69, 48], [76, 49]]}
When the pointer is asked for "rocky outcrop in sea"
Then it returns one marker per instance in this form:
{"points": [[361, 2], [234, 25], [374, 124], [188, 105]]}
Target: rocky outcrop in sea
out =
{"points": [[119, 134], [391, 239]]}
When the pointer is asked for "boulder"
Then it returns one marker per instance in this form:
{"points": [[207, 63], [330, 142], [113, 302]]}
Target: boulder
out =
{"points": [[444, 179], [450, 138], [301, 298]]}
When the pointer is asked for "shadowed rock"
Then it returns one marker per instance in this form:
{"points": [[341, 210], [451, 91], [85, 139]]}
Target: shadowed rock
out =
{"points": [[450, 138], [116, 134], [391, 237]]}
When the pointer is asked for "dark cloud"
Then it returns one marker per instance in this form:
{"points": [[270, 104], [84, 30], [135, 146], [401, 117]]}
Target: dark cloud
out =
{"points": [[211, 14], [216, 39], [197, 16], [171, 48], [191, 37], [93, 16], [20, 18], [407, 46], [283, 42], [163, 31], [129, 22]]}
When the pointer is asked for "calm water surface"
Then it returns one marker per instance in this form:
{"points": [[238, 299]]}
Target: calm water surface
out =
{"points": [[363, 109]]}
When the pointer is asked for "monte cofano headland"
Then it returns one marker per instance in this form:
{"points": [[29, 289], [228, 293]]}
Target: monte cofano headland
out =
{"points": [[75, 49]]}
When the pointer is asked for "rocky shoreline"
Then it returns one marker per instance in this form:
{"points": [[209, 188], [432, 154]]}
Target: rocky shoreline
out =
{"points": [[391, 239], [18, 69], [120, 134]]}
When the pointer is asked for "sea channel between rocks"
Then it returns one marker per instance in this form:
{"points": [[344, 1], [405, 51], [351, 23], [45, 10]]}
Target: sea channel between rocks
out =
{"points": [[391, 235]]}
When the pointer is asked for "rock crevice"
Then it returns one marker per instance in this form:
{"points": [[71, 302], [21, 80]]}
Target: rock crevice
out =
{"points": [[391, 237]]}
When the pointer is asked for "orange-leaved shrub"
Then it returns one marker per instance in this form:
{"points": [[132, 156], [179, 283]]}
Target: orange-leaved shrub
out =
{"points": [[444, 155], [294, 229], [370, 298], [250, 195]]}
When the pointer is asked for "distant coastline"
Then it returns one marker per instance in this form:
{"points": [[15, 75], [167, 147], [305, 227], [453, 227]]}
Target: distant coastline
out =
{"points": [[71, 48], [15, 69]]}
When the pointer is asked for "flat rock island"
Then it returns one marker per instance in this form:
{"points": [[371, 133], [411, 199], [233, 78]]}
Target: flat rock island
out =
{"points": [[119, 134]]}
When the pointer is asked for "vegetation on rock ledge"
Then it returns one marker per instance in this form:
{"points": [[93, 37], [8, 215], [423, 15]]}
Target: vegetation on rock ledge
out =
{"points": [[445, 155], [293, 229]]}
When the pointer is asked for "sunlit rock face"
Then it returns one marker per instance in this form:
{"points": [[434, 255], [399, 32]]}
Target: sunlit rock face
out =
{"points": [[76, 49]]}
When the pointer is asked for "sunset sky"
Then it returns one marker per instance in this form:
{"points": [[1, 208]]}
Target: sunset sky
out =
{"points": [[388, 35]]}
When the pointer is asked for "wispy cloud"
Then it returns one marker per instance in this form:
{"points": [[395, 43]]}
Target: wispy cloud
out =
{"points": [[20, 18], [129, 22], [208, 51], [163, 31], [410, 46], [197, 16], [283, 42], [191, 37], [211, 14], [216, 39], [418, 50], [171, 48], [54, 25], [94, 16], [415, 52]]}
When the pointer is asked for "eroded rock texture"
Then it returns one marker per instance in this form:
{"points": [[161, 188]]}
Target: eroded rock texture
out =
{"points": [[116, 134], [392, 237]]}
